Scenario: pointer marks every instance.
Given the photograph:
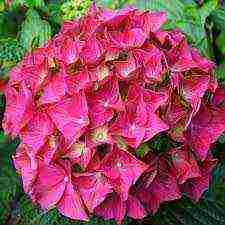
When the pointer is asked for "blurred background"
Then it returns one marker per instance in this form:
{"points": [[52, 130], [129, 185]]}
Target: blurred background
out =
{"points": [[28, 24]]}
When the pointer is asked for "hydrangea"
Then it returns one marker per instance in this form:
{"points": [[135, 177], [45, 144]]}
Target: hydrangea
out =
{"points": [[83, 104]]}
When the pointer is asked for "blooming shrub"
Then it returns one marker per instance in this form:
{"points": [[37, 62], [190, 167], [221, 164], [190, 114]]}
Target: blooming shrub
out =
{"points": [[84, 104]]}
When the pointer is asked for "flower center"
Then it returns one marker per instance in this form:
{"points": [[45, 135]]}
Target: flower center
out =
{"points": [[119, 164], [103, 72], [79, 148], [75, 67], [66, 179], [106, 104], [100, 135], [133, 127]]}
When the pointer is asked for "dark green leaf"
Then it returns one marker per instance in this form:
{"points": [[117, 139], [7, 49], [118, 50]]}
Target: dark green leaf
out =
{"points": [[220, 41], [218, 17], [38, 4]]}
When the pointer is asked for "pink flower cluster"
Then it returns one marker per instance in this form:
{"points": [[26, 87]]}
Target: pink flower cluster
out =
{"points": [[84, 103]]}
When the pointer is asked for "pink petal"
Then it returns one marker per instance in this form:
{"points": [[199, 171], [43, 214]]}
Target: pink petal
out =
{"points": [[99, 136], [92, 50], [219, 97], [93, 189], [149, 21], [103, 102], [185, 164], [26, 165], [54, 90], [70, 50], [195, 187], [80, 153], [205, 129], [49, 185], [112, 208], [37, 130], [19, 109], [194, 89], [125, 68], [134, 208], [152, 99], [77, 82], [70, 116], [71, 205], [129, 39], [154, 126], [122, 169]]}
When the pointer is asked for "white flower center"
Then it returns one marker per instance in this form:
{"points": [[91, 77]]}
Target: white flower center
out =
{"points": [[66, 179]]}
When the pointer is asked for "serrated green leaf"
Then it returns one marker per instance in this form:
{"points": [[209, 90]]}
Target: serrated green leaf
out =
{"points": [[38, 4], [173, 8], [34, 30], [220, 42], [17, 3], [218, 18], [35, 3]]}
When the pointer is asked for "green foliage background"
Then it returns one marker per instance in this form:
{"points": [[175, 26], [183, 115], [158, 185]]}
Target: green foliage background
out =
{"points": [[27, 24]]}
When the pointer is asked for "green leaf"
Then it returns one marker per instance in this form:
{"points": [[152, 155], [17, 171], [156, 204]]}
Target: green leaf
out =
{"points": [[9, 22], [35, 3], [55, 13], [2, 6], [38, 4], [107, 3], [220, 72], [115, 4], [10, 50], [173, 8], [17, 3], [35, 31], [217, 188], [8, 180], [220, 42], [218, 17]]}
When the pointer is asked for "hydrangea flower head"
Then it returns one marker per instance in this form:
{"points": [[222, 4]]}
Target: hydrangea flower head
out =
{"points": [[83, 105]]}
